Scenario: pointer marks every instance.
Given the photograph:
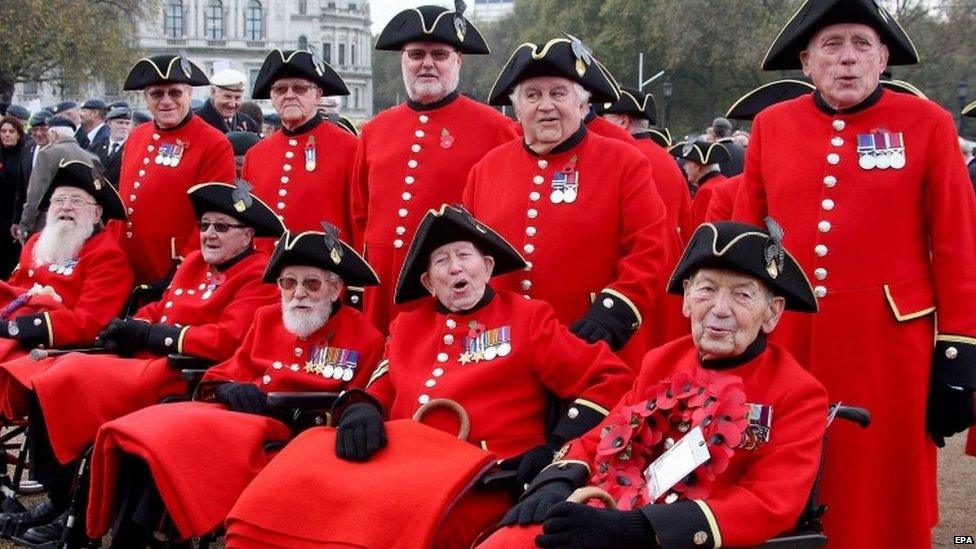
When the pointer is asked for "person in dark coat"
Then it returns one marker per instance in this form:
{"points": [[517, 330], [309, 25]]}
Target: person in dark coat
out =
{"points": [[109, 151], [222, 109], [11, 146]]}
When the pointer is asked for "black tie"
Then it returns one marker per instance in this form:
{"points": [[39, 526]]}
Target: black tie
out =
{"points": [[115, 149]]}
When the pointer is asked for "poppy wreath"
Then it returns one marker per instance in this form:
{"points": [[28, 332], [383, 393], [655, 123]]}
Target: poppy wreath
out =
{"points": [[634, 436]]}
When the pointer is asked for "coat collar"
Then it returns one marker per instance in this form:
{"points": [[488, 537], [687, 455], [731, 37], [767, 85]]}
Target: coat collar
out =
{"points": [[754, 349], [447, 100], [868, 102], [304, 128], [570, 143]]}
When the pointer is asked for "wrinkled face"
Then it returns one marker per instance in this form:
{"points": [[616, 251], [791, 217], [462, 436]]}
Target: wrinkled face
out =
{"points": [[119, 129], [549, 111], [8, 135], [845, 62], [39, 134], [457, 275], [168, 103], [302, 287], [431, 70], [295, 100], [727, 311], [218, 247], [227, 102], [71, 206]]}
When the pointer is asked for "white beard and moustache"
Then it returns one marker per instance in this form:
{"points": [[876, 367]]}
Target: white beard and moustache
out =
{"points": [[417, 90], [305, 323], [61, 240]]}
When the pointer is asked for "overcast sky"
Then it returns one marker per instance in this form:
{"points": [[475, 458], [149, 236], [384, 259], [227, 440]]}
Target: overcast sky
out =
{"points": [[381, 11]]}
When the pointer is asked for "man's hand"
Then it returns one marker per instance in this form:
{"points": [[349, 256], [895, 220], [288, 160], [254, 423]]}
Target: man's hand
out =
{"points": [[360, 432], [533, 508], [242, 397], [125, 336], [950, 411], [528, 465], [581, 526], [608, 319]]}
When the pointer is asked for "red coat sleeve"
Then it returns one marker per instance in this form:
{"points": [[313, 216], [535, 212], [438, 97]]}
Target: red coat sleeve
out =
{"points": [[750, 202], [359, 197], [219, 339], [241, 366]]}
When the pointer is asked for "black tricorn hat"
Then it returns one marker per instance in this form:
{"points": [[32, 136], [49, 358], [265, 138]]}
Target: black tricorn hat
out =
{"points": [[323, 250], [433, 24], [970, 110], [164, 69], [89, 178], [241, 142], [777, 91], [751, 251], [238, 202], [901, 86], [297, 64], [701, 152], [565, 57], [815, 15], [661, 136], [443, 226], [632, 102]]}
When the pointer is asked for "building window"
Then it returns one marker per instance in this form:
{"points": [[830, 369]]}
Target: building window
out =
{"points": [[214, 20], [355, 95], [352, 54], [342, 54], [302, 43], [352, 6], [252, 20], [252, 77], [30, 88], [327, 52], [173, 19], [302, 7]]}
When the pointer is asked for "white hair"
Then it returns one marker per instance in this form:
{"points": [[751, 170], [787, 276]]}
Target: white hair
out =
{"points": [[639, 124], [581, 93], [61, 239], [61, 132], [305, 323]]}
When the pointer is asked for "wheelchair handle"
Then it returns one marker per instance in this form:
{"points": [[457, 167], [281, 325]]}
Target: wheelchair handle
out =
{"points": [[586, 493], [860, 416], [465, 429]]}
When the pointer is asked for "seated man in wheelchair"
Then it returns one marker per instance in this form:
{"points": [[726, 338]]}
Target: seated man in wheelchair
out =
{"points": [[205, 312], [744, 419], [494, 353], [72, 279], [195, 458]]}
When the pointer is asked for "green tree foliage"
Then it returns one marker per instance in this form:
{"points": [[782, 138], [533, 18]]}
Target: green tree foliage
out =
{"points": [[68, 41]]}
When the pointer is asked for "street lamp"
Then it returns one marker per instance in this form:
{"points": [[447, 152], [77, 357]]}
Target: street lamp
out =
{"points": [[667, 90], [962, 94]]}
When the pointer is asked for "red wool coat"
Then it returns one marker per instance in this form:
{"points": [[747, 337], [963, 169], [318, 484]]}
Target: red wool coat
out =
{"points": [[763, 490], [884, 248], [201, 455], [161, 220], [304, 176], [412, 158], [611, 240], [78, 392], [723, 199], [708, 185], [506, 397]]}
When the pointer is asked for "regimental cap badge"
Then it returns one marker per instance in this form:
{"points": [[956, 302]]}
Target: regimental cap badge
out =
{"points": [[317, 61], [583, 56], [185, 63], [686, 150], [460, 24], [98, 177], [881, 10], [332, 241], [775, 254], [242, 195], [468, 217]]}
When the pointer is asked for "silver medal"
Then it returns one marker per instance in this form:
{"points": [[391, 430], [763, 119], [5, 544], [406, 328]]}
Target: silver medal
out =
{"points": [[884, 161], [504, 349], [159, 159], [898, 160], [570, 195], [327, 371], [556, 197], [866, 162], [68, 271], [347, 375], [206, 295], [338, 373], [490, 353]]}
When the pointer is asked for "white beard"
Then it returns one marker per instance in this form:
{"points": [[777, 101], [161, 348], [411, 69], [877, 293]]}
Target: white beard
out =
{"points": [[305, 323], [417, 91], [61, 240]]}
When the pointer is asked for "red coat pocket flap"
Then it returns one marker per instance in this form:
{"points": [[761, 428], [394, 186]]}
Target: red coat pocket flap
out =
{"points": [[910, 299]]}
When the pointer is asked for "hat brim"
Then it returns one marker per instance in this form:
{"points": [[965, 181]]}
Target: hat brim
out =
{"points": [[79, 174], [163, 69], [296, 64], [430, 24], [752, 103], [310, 249], [218, 197]]}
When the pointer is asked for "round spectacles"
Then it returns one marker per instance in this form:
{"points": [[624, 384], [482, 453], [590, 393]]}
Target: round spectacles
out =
{"points": [[73, 200], [290, 283], [218, 226]]}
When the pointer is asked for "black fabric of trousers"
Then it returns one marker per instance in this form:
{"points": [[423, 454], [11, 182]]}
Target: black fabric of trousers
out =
{"points": [[55, 477], [140, 508]]}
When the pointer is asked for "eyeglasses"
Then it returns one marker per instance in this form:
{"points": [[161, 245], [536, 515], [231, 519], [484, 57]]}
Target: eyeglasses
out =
{"points": [[218, 226], [73, 200], [417, 54], [173, 93], [299, 89], [289, 283]]}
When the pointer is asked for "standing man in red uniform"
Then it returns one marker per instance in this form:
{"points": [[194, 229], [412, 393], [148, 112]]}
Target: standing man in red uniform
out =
{"points": [[304, 171], [702, 165], [417, 155], [161, 161], [581, 207], [878, 208]]}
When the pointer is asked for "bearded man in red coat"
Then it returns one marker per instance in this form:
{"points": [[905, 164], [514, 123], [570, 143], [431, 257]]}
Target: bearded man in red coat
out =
{"points": [[193, 459], [416, 156], [204, 313], [72, 279], [878, 208]]}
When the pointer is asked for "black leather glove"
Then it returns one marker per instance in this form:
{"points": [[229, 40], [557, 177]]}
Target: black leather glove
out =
{"points": [[360, 432], [533, 507], [242, 397], [529, 464], [125, 336], [581, 526], [4, 324], [950, 411], [608, 319]]}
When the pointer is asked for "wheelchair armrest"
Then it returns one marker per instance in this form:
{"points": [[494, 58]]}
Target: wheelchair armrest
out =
{"points": [[305, 400], [193, 375], [188, 362], [860, 416], [498, 478]]}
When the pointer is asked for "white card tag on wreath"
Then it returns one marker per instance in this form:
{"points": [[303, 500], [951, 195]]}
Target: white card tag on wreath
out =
{"points": [[675, 464]]}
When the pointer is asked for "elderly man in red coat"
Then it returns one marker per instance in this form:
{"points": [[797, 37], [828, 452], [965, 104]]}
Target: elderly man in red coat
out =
{"points": [[205, 312], [195, 458], [878, 208], [160, 163], [72, 280], [416, 156], [304, 171], [757, 416], [581, 207]]}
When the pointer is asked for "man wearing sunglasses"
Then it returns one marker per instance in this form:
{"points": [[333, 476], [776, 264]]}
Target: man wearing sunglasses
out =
{"points": [[416, 156], [161, 161], [205, 313], [310, 342]]}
